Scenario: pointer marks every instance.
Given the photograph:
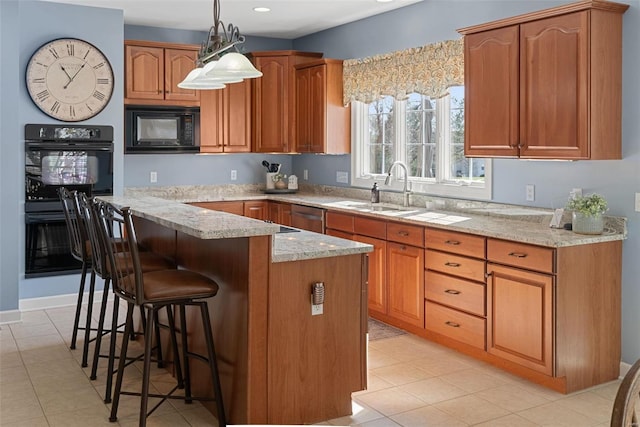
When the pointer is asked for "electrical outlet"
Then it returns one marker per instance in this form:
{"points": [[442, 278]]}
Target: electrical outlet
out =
{"points": [[234, 175], [637, 202], [153, 176], [342, 177], [305, 174], [316, 309], [531, 192]]}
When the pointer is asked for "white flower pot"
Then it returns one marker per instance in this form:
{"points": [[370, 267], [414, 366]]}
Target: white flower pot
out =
{"points": [[586, 224]]}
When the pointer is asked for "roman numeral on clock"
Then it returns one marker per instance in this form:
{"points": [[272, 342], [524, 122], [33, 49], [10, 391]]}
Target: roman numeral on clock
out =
{"points": [[42, 95], [71, 49], [103, 81], [98, 95], [72, 111], [100, 65], [38, 80], [54, 53], [55, 107]]}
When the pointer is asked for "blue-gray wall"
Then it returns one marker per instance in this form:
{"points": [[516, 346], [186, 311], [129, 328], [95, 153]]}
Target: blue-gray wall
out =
{"points": [[25, 25]]}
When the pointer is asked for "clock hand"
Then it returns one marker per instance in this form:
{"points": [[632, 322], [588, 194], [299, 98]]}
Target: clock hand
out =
{"points": [[74, 76], [68, 76]]}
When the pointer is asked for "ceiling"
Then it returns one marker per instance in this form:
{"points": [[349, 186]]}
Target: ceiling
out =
{"points": [[288, 19]]}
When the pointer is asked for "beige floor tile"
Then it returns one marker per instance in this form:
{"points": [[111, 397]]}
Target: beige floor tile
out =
{"points": [[512, 397], [608, 390], [511, 420], [31, 422], [401, 374], [471, 409], [360, 414], [382, 422], [433, 390], [47, 354], [391, 401], [472, 380], [589, 404], [12, 375], [129, 406], [25, 331], [554, 414], [441, 366], [20, 393], [21, 411], [163, 420], [545, 392], [427, 416], [199, 417], [374, 383], [378, 359], [36, 317], [81, 398], [82, 418]]}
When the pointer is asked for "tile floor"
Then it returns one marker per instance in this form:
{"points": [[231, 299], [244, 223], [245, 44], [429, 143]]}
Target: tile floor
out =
{"points": [[412, 382]]}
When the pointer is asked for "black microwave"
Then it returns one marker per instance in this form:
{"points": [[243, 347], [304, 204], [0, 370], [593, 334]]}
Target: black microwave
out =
{"points": [[162, 129]]}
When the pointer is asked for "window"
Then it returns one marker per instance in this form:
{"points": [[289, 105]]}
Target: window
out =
{"points": [[427, 135]]}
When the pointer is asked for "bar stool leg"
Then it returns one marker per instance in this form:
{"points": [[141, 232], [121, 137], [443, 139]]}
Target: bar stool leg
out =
{"points": [[213, 363], [121, 363], [146, 370], [87, 329], [158, 342], [174, 345], [76, 321], [103, 312], [185, 355], [112, 347]]}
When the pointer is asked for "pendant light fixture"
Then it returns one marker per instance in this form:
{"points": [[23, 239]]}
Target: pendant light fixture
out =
{"points": [[216, 66]]}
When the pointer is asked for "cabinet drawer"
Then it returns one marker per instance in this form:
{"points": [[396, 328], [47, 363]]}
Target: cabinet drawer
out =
{"points": [[457, 293], [456, 265], [370, 227], [455, 324], [338, 221], [458, 243], [338, 233], [403, 233], [521, 255]]}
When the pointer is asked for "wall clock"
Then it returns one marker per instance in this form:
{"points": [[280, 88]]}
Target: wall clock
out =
{"points": [[69, 79]]}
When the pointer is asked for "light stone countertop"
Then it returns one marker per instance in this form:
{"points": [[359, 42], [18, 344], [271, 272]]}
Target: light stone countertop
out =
{"points": [[208, 224], [509, 222]]}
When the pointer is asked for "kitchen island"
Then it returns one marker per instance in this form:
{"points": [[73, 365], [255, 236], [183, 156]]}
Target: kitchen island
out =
{"points": [[279, 364]]}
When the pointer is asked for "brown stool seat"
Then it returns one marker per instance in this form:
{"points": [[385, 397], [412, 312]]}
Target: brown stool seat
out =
{"points": [[169, 285]]}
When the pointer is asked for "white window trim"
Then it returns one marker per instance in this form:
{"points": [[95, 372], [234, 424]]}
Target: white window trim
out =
{"points": [[439, 187]]}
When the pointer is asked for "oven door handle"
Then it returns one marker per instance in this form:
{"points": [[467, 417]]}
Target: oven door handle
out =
{"points": [[69, 146]]}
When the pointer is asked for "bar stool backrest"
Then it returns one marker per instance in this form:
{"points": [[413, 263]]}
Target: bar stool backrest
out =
{"points": [[88, 214], [76, 229], [119, 237]]}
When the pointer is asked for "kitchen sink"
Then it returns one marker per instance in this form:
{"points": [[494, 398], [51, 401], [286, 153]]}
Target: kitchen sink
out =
{"points": [[381, 208]]}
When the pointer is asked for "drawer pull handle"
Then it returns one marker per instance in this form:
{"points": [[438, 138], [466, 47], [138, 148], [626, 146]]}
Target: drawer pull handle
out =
{"points": [[403, 233], [452, 324], [518, 255], [452, 264], [452, 242], [452, 292]]}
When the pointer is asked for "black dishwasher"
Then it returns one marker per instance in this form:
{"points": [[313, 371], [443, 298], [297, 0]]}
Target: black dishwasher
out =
{"points": [[307, 218]]}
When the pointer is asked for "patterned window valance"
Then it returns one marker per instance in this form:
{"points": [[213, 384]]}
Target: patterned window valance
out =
{"points": [[428, 70]]}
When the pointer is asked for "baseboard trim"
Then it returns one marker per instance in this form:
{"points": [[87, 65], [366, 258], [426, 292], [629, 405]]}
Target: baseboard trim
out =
{"points": [[45, 303], [10, 316], [624, 368]]}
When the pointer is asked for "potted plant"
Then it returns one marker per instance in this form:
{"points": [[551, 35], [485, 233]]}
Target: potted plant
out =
{"points": [[587, 213], [279, 181]]}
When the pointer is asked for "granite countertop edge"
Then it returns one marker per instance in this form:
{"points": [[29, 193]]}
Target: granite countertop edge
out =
{"points": [[531, 226]]}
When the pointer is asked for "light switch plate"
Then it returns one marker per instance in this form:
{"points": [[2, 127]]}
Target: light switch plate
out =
{"points": [[342, 177], [234, 175], [153, 176], [637, 202]]}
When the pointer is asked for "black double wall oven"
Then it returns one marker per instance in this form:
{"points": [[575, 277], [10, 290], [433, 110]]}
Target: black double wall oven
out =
{"points": [[77, 157]]}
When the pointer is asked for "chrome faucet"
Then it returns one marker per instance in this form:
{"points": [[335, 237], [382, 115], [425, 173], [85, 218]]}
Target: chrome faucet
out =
{"points": [[405, 192]]}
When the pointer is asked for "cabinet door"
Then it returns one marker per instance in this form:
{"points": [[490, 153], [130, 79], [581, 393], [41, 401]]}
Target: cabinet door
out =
{"points": [[377, 284], [520, 317], [177, 64], [303, 112], [554, 88], [271, 114], [237, 119], [405, 283], [236, 208], [491, 93], [144, 72], [256, 209], [280, 213], [212, 121], [317, 108]]}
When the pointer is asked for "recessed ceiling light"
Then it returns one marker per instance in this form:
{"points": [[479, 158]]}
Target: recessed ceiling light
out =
{"points": [[266, 9], [384, 1]]}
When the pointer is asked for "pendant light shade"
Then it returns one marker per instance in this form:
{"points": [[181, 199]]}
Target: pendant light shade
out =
{"points": [[215, 66]]}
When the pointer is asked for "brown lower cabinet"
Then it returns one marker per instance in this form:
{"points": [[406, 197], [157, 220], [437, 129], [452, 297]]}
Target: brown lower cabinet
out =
{"points": [[280, 213], [256, 209], [236, 208], [550, 315]]}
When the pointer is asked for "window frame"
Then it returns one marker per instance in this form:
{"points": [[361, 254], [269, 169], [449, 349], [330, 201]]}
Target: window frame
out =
{"points": [[440, 186]]}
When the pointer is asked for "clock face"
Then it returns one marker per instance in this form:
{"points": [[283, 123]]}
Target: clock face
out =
{"points": [[69, 79]]}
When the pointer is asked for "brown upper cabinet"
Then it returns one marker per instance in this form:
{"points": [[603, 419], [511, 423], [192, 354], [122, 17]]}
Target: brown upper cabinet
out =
{"points": [[225, 119], [323, 122], [546, 85], [153, 71], [274, 100]]}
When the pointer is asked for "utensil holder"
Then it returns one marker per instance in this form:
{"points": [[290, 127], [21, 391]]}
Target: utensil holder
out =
{"points": [[270, 183]]}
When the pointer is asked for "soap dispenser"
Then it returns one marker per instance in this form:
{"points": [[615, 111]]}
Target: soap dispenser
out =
{"points": [[375, 193]]}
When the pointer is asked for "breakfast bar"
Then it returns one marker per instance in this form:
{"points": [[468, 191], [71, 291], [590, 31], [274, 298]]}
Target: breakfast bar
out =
{"points": [[279, 363]]}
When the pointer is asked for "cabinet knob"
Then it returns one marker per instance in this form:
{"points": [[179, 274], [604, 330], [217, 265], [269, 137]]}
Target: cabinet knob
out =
{"points": [[403, 233], [452, 292], [452, 264], [452, 324], [452, 242], [518, 255]]}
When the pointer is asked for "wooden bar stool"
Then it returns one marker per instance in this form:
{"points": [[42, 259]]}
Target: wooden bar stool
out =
{"points": [[154, 291], [86, 212]]}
